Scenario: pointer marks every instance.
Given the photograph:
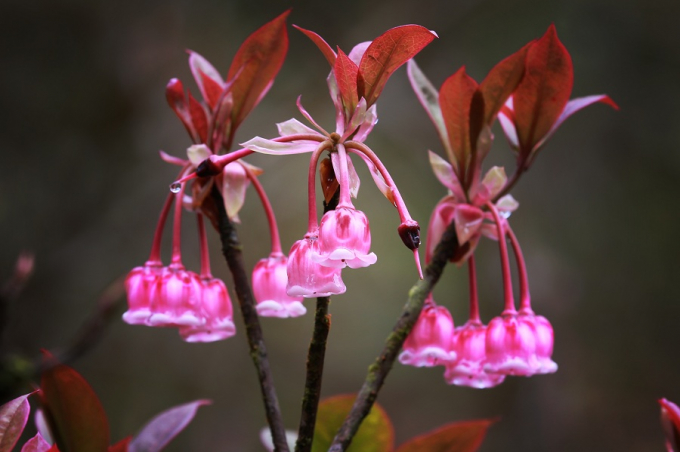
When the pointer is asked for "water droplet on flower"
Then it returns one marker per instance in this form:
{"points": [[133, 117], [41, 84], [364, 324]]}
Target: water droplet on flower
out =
{"points": [[175, 187]]}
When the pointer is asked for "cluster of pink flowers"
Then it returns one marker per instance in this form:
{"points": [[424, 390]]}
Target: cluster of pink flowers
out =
{"points": [[529, 93]]}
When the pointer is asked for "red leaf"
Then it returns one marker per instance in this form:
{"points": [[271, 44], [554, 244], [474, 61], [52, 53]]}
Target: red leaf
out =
{"points": [[458, 436], [670, 421], [501, 82], [259, 59], [544, 91], [199, 118], [327, 51], [346, 77], [174, 93], [37, 444], [463, 112], [13, 417], [160, 430], [121, 446], [385, 54], [76, 417]]}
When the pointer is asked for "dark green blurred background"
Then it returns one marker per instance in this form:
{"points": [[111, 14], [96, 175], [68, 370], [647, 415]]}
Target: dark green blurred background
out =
{"points": [[84, 114]]}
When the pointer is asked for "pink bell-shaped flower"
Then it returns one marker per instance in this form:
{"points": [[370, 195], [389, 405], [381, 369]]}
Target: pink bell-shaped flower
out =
{"points": [[345, 239], [178, 296], [269, 287], [469, 343], [545, 340], [308, 279], [141, 286], [511, 346], [217, 314], [429, 343]]}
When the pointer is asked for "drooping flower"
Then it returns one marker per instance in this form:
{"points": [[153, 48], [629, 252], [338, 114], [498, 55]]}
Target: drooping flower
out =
{"points": [[469, 344], [429, 342], [511, 347], [269, 287], [308, 279], [141, 285], [178, 298], [216, 312]]}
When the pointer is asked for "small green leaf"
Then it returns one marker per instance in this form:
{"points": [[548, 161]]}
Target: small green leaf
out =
{"points": [[376, 433], [464, 436]]}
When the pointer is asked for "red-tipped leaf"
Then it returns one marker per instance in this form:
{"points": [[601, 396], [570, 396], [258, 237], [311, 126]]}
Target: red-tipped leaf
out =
{"points": [[501, 81], [375, 434], [174, 93], [326, 49], [458, 436], [462, 108], [386, 53], [346, 77], [199, 118], [259, 59], [544, 90], [13, 417], [160, 430], [74, 413], [121, 446]]}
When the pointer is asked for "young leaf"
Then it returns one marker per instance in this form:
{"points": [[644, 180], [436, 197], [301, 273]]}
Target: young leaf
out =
{"points": [[207, 78], [544, 90], [13, 418], [501, 81], [670, 421], [376, 433], [458, 436], [386, 53], [174, 94], [198, 118], [321, 44], [36, 444], [346, 77], [75, 415], [455, 100], [259, 59], [429, 99], [160, 430]]}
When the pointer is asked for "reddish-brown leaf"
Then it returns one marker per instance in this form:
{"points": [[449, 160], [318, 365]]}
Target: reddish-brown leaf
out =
{"points": [[327, 51], [544, 90], [199, 118], [455, 437], [501, 81], [76, 417], [346, 77], [259, 59], [455, 100], [121, 446], [386, 53]]}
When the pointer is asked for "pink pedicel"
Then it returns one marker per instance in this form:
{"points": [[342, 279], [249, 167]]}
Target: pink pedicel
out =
{"points": [[141, 286], [216, 314], [345, 239], [269, 287], [308, 279], [469, 343], [429, 343], [178, 297]]}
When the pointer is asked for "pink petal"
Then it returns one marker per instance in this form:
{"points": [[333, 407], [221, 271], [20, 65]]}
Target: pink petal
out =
{"points": [[264, 146], [207, 78], [444, 172], [235, 182], [370, 120], [294, 127], [468, 222], [308, 116]]}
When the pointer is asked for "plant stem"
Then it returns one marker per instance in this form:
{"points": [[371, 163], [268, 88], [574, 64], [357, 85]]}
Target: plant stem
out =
{"points": [[231, 248], [378, 371], [315, 362]]}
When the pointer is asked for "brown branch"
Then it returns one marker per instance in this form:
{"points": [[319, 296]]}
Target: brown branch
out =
{"points": [[377, 372], [231, 248]]}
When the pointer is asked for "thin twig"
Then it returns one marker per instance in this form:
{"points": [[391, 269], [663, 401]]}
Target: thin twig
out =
{"points": [[378, 371], [315, 361], [231, 248]]}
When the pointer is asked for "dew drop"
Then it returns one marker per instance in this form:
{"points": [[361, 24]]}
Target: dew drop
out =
{"points": [[175, 187]]}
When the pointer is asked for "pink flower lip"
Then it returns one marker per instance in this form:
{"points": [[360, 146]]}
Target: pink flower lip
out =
{"points": [[216, 312], [469, 342], [269, 287], [140, 285], [178, 294], [429, 343]]}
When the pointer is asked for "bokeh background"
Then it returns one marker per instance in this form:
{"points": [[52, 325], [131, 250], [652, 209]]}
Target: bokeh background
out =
{"points": [[84, 114]]}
